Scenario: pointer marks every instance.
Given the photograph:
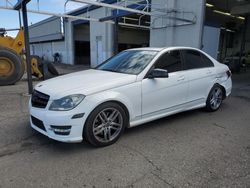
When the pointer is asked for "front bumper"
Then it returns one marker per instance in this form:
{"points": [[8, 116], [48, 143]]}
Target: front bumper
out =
{"points": [[61, 119]]}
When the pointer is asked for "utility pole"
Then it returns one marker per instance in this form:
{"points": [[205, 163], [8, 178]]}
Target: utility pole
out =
{"points": [[22, 5]]}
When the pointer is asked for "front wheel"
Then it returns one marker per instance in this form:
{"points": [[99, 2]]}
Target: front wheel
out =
{"points": [[105, 124], [214, 99]]}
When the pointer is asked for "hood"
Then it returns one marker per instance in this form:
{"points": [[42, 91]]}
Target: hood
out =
{"points": [[84, 82]]}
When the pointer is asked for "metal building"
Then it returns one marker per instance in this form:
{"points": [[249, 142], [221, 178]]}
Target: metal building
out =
{"points": [[206, 25]]}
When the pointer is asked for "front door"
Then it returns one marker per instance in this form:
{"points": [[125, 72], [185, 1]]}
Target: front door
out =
{"points": [[163, 94]]}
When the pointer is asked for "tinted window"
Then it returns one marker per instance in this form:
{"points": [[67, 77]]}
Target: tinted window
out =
{"points": [[206, 61], [195, 60], [170, 61], [128, 62]]}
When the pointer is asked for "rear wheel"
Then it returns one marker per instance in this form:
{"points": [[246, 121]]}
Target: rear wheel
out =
{"points": [[105, 124], [11, 67], [215, 98]]}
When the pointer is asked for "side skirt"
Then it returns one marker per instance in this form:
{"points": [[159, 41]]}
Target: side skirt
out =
{"points": [[167, 112]]}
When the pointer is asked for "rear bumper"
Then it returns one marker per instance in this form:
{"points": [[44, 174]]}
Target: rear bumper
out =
{"points": [[228, 86]]}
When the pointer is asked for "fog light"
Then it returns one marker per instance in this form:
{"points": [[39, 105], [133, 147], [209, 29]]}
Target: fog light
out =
{"points": [[60, 130]]}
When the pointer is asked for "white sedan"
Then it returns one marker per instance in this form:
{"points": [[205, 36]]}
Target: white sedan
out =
{"points": [[134, 87]]}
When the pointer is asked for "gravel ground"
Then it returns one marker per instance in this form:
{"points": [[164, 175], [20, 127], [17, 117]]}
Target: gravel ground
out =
{"points": [[191, 149]]}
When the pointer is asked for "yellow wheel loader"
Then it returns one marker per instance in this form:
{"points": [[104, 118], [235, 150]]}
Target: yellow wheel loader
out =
{"points": [[12, 60]]}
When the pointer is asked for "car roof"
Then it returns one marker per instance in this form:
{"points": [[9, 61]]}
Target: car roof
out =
{"points": [[165, 48]]}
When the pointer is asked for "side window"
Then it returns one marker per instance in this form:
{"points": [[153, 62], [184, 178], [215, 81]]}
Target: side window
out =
{"points": [[193, 59], [170, 61], [207, 61]]}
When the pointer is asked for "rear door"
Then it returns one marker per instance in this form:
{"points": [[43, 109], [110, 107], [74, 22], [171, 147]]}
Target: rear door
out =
{"points": [[200, 72]]}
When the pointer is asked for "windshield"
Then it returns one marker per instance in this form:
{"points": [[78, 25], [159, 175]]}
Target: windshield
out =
{"points": [[128, 62]]}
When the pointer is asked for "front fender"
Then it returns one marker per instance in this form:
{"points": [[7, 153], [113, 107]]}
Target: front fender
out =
{"points": [[129, 95]]}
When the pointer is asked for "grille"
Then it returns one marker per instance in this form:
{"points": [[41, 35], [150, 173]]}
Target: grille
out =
{"points": [[39, 99], [38, 123]]}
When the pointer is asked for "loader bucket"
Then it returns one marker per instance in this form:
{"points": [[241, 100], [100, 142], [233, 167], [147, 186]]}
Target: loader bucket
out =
{"points": [[42, 69]]}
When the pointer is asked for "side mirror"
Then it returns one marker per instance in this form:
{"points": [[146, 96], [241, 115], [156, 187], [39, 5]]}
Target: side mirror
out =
{"points": [[158, 73]]}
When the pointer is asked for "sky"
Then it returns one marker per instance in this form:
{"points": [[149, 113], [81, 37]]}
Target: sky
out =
{"points": [[9, 18]]}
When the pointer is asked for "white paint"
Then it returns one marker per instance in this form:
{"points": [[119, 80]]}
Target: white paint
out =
{"points": [[146, 99]]}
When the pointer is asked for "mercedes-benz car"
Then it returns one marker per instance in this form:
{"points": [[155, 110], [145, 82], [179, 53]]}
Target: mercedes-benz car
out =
{"points": [[133, 87]]}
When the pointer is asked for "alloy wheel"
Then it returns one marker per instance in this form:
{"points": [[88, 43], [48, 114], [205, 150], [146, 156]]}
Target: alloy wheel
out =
{"points": [[107, 125], [216, 98]]}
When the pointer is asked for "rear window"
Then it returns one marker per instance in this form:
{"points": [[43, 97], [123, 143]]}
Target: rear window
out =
{"points": [[207, 61], [194, 60]]}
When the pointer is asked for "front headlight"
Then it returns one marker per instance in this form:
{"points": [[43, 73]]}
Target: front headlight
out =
{"points": [[66, 103]]}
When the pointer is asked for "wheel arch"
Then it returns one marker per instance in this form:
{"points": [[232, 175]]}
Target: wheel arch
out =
{"points": [[221, 86], [223, 89], [88, 132], [120, 100], [124, 107]]}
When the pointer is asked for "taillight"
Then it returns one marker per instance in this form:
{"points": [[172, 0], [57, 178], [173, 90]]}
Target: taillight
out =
{"points": [[229, 74]]}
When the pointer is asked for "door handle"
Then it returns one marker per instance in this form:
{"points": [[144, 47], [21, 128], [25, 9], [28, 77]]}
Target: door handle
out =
{"points": [[181, 78]]}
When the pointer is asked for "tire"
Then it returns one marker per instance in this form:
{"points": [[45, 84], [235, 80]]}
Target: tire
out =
{"points": [[97, 127], [215, 98], [13, 67]]}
